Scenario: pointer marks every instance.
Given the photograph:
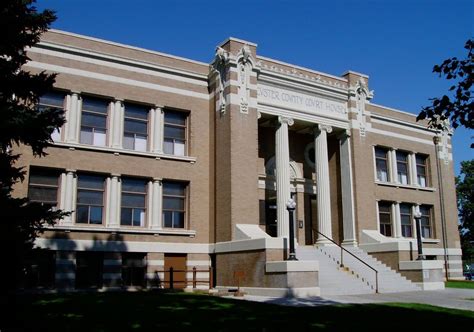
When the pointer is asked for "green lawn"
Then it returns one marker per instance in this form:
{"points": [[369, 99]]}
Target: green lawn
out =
{"points": [[460, 284], [152, 311]]}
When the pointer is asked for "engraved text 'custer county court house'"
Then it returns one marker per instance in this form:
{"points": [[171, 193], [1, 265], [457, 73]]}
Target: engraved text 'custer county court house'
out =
{"points": [[299, 101]]}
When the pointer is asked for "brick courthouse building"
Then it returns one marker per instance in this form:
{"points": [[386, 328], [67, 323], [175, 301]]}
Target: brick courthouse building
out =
{"points": [[170, 162]]}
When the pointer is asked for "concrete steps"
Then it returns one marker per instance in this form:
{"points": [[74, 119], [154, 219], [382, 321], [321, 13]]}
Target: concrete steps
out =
{"points": [[354, 277]]}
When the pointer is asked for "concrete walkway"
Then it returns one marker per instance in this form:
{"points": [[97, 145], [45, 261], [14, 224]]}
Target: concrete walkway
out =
{"points": [[448, 298]]}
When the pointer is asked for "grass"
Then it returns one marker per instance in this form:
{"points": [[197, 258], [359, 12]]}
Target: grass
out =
{"points": [[460, 284], [151, 311]]}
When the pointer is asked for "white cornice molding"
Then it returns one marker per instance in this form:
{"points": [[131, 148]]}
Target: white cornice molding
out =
{"points": [[342, 79], [388, 121], [355, 73], [144, 50], [392, 109]]}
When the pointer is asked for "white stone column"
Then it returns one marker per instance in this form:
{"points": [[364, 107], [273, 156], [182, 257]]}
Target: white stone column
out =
{"points": [[397, 222], [412, 169], [393, 166], [282, 163], [68, 195], [154, 206], [116, 124], [157, 119], [113, 201], [72, 118], [323, 193], [348, 219]]}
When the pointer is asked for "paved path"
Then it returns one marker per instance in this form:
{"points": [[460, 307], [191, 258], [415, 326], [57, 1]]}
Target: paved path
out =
{"points": [[449, 298]]}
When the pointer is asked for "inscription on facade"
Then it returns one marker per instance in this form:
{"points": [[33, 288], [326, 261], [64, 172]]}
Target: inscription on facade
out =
{"points": [[300, 101]]}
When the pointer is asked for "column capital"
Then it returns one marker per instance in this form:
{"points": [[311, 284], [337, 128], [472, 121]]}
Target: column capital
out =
{"points": [[344, 134], [159, 107], [68, 170], [284, 119], [75, 92], [120, 100], [321, 127], [115, 175], [157, 180]]}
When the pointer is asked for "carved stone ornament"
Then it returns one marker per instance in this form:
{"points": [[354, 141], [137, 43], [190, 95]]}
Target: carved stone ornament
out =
{"points": [[362, 94], [286, 120], [219, 67], [244, 65]]}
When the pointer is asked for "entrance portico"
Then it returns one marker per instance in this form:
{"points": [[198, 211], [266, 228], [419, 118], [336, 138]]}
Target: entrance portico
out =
{"points": [[315, 173]]}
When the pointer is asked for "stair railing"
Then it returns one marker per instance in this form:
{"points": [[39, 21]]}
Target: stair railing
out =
{"points": [[360, 260]]}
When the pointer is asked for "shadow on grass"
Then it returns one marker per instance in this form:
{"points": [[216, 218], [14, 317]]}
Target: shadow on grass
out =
{"points": [[143, 311]]}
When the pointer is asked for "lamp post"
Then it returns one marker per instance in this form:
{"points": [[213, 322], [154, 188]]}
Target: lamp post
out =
{"points": [[418, 236], [290, 206]]}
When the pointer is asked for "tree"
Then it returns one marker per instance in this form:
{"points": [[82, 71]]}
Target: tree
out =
{"points": [[465, 195], [459, 108], [21, 123]]}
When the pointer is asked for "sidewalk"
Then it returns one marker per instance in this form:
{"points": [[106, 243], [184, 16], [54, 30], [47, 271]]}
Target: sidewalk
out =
{"points": [[455, 298]]}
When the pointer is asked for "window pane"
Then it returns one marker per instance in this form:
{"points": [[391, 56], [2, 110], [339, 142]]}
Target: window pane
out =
{"points": [[405, 209], [175, 132], [402, 156], [178, 219], [96, 215], [140, 143], [381, 153], [139, 217], [168, 219], [93, 120], [91, 181], [168, 146], [133, 200], [174, 188], [179, 148], [136, 111], [42, 194], [41, 176], [89, 197], [171, 203], [82, 213], [135, 185], [52, 99], [128, 141], [95, 104], [175, 117], [135, 126], [86, 136], [384, 207], [126, 217], [99, 137], [420, 160]]}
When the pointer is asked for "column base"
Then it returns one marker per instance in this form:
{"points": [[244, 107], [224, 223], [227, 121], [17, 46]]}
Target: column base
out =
{"points": [[324, 242], [349, 243]]}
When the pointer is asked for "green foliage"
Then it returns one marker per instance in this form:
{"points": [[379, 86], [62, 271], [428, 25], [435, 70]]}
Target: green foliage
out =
{"points": [[459, 284], [465, 196], [459, 108], [21, 123]]}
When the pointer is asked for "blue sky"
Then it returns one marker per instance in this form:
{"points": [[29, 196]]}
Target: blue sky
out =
{"points": [[395, 42]]}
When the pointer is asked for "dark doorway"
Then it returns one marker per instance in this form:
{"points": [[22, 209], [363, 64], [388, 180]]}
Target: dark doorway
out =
{"points": [[89, 268], [40, 269], [133, 269]]}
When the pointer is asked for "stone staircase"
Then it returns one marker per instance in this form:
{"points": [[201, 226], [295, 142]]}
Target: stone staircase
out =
{"points": [[354, 277]]}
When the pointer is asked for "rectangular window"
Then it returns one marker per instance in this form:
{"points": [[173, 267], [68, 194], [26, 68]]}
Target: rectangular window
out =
{"points": [[135, 127], [421, 170], [385, 218], [90, 199], [381, 162], [174, 204], [175, 133], [134, 269], [425, 221], [52, 100], [94, 121], [406, 220], [43, 186], [402, 167], [133, 202]]}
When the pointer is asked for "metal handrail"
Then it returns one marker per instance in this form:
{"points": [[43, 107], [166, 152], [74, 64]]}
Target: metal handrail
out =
{"points": [[360, 260]]}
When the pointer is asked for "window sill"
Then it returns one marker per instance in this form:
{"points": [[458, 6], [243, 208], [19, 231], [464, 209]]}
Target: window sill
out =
{"points": [[117, 151], [410, 239], [404, 186], [86, 228]]}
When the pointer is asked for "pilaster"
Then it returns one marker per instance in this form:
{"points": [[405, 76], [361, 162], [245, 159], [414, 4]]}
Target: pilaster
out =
{"points": [[156, 132], [73, 118], [68, 195], [155, 208], [116, 113], [348, 218], [113, 205]]}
